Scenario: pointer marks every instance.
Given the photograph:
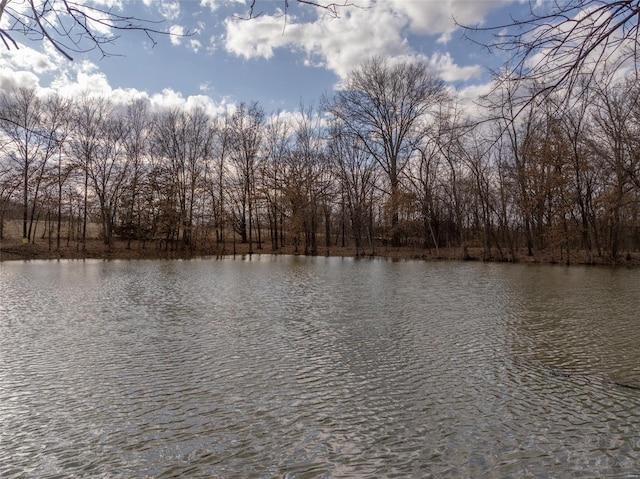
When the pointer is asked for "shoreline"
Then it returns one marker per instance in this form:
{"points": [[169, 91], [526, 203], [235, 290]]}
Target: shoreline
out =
{"points": [[14, 250]]}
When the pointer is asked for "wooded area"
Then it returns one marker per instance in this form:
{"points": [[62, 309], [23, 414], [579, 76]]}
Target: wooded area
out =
{"points": [[390, 160]]}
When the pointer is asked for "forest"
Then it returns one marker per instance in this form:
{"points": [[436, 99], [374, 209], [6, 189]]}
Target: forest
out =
{"points": [[392, 159]]}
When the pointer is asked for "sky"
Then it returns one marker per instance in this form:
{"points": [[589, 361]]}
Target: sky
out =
{"points": [[280, 59]]}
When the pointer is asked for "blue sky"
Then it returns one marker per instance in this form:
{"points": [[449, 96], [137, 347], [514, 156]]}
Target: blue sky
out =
{"points": [[276, 60]]}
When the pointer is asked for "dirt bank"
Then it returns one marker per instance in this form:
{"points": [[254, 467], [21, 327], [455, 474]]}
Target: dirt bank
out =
{"points": [[14, 249]]}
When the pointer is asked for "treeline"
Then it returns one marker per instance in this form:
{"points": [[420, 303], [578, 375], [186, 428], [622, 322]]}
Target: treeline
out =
{"points": [[390, 159]]}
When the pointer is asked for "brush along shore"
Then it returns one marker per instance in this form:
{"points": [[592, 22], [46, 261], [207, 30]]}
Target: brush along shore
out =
{"points": [[15, 249]]}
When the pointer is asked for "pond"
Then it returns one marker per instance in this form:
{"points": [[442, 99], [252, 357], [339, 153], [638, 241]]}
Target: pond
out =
{"points": [[298, 367]]}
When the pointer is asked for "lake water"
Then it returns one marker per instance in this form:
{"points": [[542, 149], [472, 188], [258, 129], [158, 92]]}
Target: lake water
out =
{"points": [[296, 367]]}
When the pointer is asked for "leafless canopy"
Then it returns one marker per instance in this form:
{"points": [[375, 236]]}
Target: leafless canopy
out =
{"points": [[70, 26], [556, 49]]}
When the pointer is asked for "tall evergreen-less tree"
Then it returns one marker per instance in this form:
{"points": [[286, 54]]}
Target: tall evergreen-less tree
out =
{"points": [[247, 125], [386, 106]]}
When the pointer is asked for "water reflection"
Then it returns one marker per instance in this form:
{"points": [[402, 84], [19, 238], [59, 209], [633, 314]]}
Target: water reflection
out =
{"points": [[317, 367]]}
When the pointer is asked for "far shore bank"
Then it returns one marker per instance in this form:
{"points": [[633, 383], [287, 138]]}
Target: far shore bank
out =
{"points": [[14, 250]]}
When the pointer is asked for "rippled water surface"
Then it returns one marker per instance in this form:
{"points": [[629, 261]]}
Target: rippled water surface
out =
{"points": [[287, 367]]}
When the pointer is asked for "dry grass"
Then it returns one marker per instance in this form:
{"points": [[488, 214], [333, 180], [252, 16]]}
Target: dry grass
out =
{"points": [[14, 249]]}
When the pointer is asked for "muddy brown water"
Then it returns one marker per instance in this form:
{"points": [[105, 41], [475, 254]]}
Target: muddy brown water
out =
{"points": [[296, 367]]}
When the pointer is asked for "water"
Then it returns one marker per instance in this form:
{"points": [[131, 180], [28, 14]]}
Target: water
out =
{"points": [[288, 367]]}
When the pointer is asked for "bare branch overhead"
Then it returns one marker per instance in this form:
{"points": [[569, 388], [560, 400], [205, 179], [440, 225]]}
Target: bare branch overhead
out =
{"points": [[71, 26], [558, 47]]}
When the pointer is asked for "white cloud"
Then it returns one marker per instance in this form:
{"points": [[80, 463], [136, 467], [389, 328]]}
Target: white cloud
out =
{"points": [[445, 67], [11, 79], [124, 96], [170, 10], [469, 96], [170, 98], [25, 58], [339, 44], [115, 4], [335, 43], [195, 45], [25, 66], [47, 73], [176, 34], [440, 17], [214, 4], [81, 78], [254, 39], [71, 79]]}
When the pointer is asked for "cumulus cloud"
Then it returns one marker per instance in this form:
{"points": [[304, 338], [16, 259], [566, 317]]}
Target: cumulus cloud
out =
{"points": [[84, 77], [446, 68], [10, 79], [49, 73], [334, 43], [468, 98], [438, 18], [257, 38], [25, 58], [176, 34], [382, 28], [171, 99], [25, 66]]}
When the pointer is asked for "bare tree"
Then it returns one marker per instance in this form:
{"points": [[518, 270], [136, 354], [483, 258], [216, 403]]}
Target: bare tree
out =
{"points": [[89, 116], [247, 124], [31, 126], [58, 109], [98, 144], [439, 167], [386, 105], [277, 146], [615, 145], [216, 175], [109, 172], [21, 108], [306, 182], [357, 177], [577, 126], [9, 184], [183, 140], [136, 145], [514, 128]]}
